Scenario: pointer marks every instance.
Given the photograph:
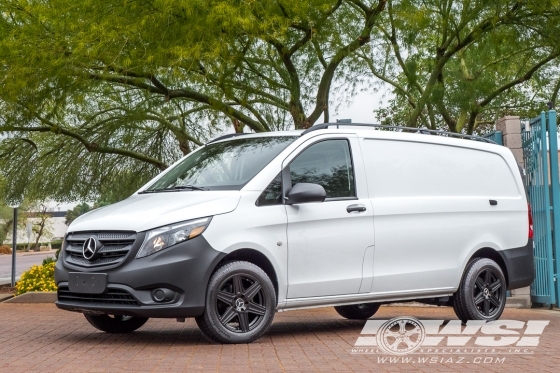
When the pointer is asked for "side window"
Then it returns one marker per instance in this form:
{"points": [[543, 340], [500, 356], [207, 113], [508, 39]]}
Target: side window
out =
{"points": [[272, 195], [329, 164]]}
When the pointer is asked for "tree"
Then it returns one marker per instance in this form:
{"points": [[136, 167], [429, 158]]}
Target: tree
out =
{"points": [[98, 89], [77, 211], [459, 65], [100, 96], [6, 221], [39, 216]]}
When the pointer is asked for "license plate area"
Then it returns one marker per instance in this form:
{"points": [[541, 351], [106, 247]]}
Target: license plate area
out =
{"points": [[87, 283]]}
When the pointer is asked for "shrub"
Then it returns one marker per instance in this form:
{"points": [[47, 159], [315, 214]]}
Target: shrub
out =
{"points": [[37, 278], [48, 260], [5, 249]]}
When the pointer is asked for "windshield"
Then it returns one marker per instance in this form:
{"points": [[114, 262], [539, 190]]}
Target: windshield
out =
{"points": [[225, 165]]}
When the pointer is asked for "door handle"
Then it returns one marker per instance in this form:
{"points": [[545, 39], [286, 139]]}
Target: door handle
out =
{"points": [[356, 208]]}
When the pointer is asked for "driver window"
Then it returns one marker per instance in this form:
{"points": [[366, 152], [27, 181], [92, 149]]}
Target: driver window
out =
{"points": [[329, 164]]}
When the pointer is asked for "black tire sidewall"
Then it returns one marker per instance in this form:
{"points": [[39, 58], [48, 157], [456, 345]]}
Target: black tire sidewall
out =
{"points": [[211, 319], [468, 285]]}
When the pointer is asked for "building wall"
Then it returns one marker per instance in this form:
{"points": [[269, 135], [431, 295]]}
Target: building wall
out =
{"points": [[56, 226]]}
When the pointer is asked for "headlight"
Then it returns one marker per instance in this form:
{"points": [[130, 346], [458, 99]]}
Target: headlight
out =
{"points": [[161, 238]]}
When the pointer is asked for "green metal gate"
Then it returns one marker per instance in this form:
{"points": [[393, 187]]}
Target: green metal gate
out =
{"points": [[495, 136], [540, 154]]}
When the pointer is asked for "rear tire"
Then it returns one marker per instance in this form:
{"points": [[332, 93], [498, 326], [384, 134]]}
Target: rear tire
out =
{"points": [[240, 304], [482, 292], [358, 311], [116, 324]]}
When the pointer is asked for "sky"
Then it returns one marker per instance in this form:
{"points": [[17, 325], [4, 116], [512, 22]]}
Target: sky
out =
{"points": [[361, 108]]}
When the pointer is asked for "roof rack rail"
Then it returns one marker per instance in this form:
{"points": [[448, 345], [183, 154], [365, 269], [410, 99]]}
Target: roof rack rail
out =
{"points": [[403, 129], [223, 137]]}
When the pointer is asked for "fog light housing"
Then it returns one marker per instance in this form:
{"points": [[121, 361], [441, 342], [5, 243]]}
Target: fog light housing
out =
{"points": [[162, 295]]}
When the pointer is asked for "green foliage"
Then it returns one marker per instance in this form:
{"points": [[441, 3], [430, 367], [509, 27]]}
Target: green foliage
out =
{"points": [[37, 278], [72, 214], [99, 96], [100, 93], [6, 220], [49, 260], [460, 65]]}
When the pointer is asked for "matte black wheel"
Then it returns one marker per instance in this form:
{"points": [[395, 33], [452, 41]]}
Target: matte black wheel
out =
{"points": [[116, 324], [358, 311], [240, 304], [482, 292]]}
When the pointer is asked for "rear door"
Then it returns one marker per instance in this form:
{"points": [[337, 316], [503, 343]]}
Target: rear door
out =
{"points": [[327, 241]]}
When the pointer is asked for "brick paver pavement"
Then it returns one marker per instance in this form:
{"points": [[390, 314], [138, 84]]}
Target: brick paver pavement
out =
{"points": [[41, 338]]}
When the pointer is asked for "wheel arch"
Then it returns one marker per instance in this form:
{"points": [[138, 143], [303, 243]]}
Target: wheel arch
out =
{"points": [[255, 257], [492, 254]]}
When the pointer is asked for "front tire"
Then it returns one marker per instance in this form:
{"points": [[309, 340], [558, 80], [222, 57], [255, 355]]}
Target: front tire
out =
{"points": [[116, 324], [482, 292], [358, 311], [240, 304]]}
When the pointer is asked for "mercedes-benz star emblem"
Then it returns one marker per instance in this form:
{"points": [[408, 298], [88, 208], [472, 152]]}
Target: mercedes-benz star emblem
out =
{"points": [[240, 305], [90, 248]]}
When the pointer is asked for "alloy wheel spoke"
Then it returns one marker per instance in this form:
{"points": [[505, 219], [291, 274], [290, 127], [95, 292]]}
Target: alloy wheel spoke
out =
{"points": [[408, 342], [252, 290], [243, 321], [495, 286], [256, 309], [494, 300], [402, 327], [226, 297], [479, 298], [390, 333], [416, 330], [393, 346], [487, 276], [486, 307], [480, 283], [228, 315], [237, 285]]}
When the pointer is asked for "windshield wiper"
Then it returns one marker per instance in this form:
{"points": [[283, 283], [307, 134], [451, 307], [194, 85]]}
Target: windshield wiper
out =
{"points": [[181, 187], [174, 189]]}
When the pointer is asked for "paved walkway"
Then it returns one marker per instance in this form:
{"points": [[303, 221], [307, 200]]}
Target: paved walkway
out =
{"points": [[41, 338]]}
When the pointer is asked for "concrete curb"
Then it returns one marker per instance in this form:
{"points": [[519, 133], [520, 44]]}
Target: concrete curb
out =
{"points": [[4, 297], [34, 297], [518, 302], [7, 281], [28, 253]]}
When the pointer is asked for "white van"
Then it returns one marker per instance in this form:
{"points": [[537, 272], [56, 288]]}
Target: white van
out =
{"points": [[349, 216]]}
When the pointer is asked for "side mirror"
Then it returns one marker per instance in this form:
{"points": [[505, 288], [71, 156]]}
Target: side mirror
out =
{"points": [[305, 193]]}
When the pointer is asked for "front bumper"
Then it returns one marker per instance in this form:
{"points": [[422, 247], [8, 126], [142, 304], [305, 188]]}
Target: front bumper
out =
{"points": [[184, 269]]}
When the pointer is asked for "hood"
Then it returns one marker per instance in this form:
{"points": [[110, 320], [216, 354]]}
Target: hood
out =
{"points": [[141, 212]]}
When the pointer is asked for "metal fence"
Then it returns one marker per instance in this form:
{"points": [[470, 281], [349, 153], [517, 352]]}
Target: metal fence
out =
{"points": [[540, 154], [496, 136]]}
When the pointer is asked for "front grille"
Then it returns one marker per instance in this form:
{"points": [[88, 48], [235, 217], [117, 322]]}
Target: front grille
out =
{"points": [[116, 246], [110, 296]]}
